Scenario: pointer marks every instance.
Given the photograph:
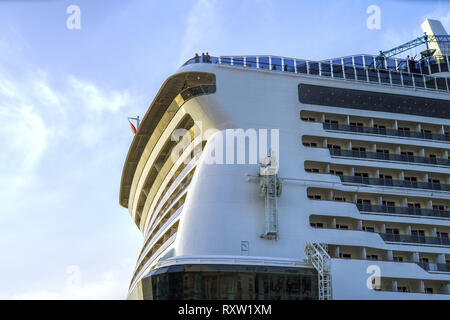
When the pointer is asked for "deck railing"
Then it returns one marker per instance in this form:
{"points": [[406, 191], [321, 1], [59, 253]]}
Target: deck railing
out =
{"points": [[365, 68]]}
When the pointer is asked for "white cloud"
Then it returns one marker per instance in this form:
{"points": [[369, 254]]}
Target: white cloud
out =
{"points": [[111, 284]]}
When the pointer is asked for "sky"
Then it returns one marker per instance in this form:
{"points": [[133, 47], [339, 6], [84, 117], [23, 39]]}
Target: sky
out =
{"points": [[65, 95]]}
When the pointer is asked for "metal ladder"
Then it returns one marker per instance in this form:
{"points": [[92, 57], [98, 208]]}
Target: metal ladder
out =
{"points": [[318, 256]]}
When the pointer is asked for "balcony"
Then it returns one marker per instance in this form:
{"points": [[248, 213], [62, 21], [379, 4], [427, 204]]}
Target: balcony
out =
{"points": [[387, 132], [389, 157], [403, 210], [396, 183], [405, 238], [440, 267]]}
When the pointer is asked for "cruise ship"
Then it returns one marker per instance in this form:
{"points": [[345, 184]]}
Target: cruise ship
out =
{"points": [[266, 177]]}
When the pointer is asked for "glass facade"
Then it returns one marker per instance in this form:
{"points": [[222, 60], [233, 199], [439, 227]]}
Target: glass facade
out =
{"points": [[230, 282], [374, 101], [367, 68]]}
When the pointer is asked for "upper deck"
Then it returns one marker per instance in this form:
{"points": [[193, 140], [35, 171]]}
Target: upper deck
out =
{"points": [[424, 74]]}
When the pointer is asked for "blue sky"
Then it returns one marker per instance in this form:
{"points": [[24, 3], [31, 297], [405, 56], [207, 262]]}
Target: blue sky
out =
{"points": [[65, 96]]}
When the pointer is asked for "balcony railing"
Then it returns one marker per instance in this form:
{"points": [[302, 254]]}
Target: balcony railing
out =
{"points": [[388, 156], [406, 238], [396, 183], [403, 210], [441, 267], [387, 132], [366, 68]]}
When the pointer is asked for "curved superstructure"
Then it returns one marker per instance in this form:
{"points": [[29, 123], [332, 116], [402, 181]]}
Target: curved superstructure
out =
{"points": [[362, 158]]}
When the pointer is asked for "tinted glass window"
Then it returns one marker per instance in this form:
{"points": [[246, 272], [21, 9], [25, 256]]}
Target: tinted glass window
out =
{"points": [[361, 74], [222, 282], [301, 66], [348, 61], [418, 79], [325, 69], [289, 65], [396, 79], [407, 79], [402, 65], [225, 60], [276, 63], [375, 101], [373, 75], [369, 61], [380, 62], [349, 72], [441, 85], [313, 67], [251, 62], [434, 66], [337, 69], [391, 64], [264, 62], [238, 61], [384, 76], [358, 61], [430, 83]]}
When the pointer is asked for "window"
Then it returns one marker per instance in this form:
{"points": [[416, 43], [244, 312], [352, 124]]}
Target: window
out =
{"points": [[403, 129], [361, 174], [407, 153], [310, 144], [388, 203], [317, 225], [309, 119], [345, 255], [368, 229], [402, 289], [339, 199], [363, 201], [428, 290], [412, 179], [315, 170], [425, 260], [331, 121], [357, 124], [442, 235], [398, 259], [337, 173], [392, 231], [341, 226], [359, 149], [379, 126], [386, 177], [385, 151], [438, 207], [333, 146], [418, 233], [437, 181], [414, 205], [372, 257], [314, 197]]}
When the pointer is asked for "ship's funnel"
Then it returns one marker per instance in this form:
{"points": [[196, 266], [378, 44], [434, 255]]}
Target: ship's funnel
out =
{"points": [[435, 28]]}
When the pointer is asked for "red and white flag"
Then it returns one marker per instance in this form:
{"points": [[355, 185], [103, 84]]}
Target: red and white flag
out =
{"points": [[132, 127]]}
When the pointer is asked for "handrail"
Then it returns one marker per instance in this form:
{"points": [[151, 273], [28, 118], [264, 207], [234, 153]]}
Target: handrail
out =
{"points": [[391, 72], [403, 210], [388, 157], [387, 132]]}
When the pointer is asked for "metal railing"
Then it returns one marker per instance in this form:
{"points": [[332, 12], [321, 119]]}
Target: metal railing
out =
{"points": [[440, 267], [396, 183], [388, 156], [387, 132], [391, 72], [403, 210], [406, 238]]}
